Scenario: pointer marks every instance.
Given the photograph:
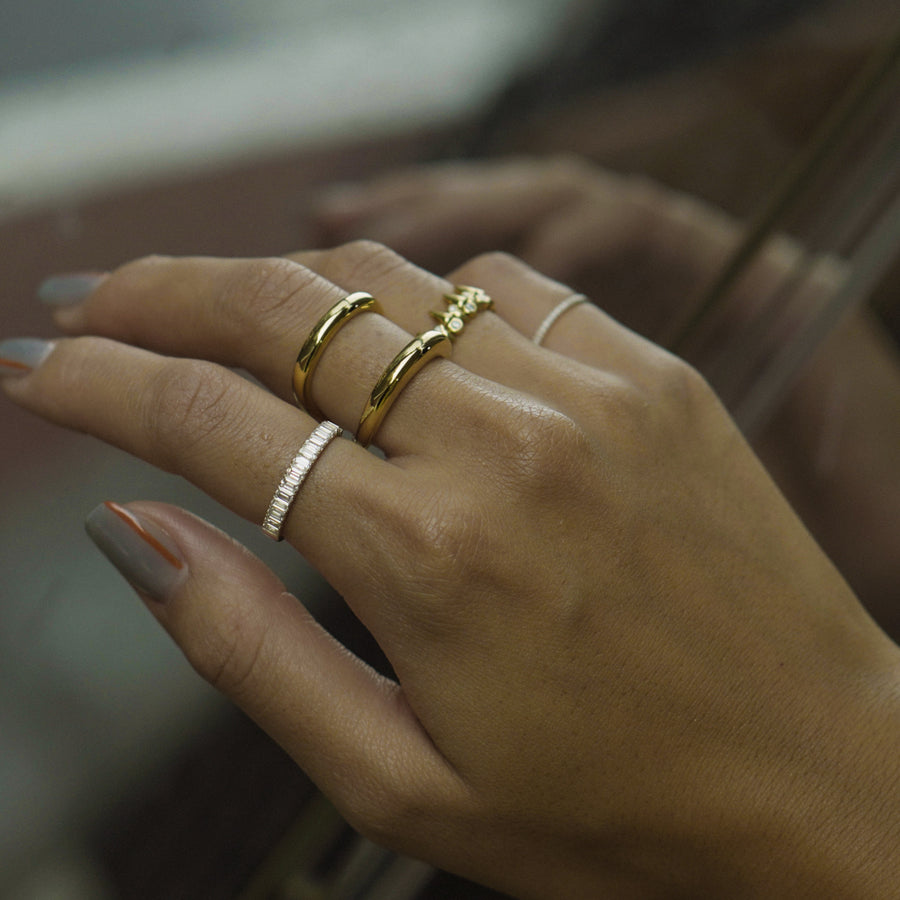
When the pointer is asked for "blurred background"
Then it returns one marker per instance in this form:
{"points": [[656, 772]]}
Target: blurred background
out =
{"points": [[202, 127]]}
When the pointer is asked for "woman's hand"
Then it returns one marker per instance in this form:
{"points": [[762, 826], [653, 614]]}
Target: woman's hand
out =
{"points": [[623, 667], [646, 254], [643, 252]]}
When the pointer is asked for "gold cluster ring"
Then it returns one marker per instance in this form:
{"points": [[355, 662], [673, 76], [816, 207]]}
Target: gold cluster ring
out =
{"points": [[464, 303]]}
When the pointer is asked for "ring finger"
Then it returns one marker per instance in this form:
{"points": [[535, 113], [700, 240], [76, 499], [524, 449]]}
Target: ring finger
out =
{"points": [[228, 436]]}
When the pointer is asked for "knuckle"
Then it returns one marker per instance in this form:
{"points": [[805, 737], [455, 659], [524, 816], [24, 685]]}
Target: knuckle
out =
{"points": [[682, 386], [670, 396], [446, 534], [139, 275], [229, 653], [361, 250], [73, 356], [440, 534], [365, 261], [447, 549], [540, 447], [186, 402], [489, 268], [264, 290]]}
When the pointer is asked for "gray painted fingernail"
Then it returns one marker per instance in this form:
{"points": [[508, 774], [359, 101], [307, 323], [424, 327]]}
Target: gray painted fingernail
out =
{"points": [[19, 356], [67, 290], [143, 553]]}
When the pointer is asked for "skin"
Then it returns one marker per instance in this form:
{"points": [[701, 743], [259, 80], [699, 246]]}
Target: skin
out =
{"points": [[645, 254], [623, 667]]}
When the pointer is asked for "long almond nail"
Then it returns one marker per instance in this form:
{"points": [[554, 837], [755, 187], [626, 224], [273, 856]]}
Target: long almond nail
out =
{"points": [[19, 356], [69, 289], [142, 552]]}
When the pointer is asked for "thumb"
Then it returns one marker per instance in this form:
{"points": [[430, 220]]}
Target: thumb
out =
{"points": [[349, 728]]}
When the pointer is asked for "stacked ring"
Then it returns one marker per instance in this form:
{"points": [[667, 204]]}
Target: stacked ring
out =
{"points": [[319, 338], [555, 313], [294, 476], [464, 303], [401, 369]]}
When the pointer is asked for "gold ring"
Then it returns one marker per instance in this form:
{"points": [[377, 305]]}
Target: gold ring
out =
{"points": [[464, 303], [396, 376], [319, 338]]}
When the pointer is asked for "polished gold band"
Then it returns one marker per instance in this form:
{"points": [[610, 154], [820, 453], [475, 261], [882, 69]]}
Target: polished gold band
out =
{"points": [[396, 376], [319, 338], [464, 303]]}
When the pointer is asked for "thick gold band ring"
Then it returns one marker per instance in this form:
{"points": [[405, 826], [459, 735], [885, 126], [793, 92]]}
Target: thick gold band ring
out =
{"points": [[319, 338], [464, 303], [418, 352]]}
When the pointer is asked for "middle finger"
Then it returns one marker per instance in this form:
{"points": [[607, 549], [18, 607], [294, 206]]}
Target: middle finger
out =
{"points": [[255, 314]]}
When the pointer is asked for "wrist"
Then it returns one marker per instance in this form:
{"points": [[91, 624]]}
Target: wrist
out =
{"points": [[833, 807]]}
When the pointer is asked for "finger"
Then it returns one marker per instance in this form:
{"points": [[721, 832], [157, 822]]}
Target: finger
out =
{"points": [[342, 205], [226, 435], [488, 347], [350, 729], [646, 253], [602, 248], [440, 215], [256, 314], [585, 340], [365, 523]]}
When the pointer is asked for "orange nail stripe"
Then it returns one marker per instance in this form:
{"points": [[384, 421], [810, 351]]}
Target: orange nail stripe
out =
{"points": [[145, 535], [13, 364]]}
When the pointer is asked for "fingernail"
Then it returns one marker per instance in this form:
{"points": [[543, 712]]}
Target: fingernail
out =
{"points": [[19, 356], [143, 553], [67, 290]]}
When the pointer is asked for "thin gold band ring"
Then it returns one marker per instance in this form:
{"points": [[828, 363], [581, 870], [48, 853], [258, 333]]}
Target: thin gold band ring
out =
{"points": [[319, 338], [427, 346]]}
